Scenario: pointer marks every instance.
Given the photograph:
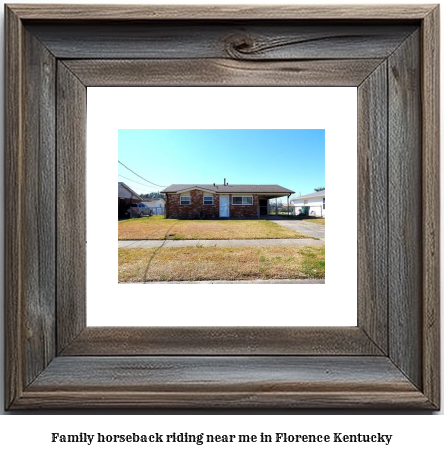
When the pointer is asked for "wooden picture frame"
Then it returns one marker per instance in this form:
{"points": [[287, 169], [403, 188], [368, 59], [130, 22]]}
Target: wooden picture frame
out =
{"points": [[390, 360]]}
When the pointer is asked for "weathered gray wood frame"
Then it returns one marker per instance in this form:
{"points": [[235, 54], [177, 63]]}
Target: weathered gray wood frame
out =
{"points": [[390, 360]]}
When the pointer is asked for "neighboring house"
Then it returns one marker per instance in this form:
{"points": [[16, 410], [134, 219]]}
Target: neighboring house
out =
{"points": [[224, 200], [126, 197], [156, 204], [311, 204]]}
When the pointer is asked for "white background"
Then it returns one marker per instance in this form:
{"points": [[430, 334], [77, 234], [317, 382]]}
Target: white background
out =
{"points": [[414, 434], [329, 304]]}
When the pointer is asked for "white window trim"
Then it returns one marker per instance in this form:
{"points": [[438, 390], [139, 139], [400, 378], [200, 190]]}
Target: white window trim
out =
{"points": [[242, 196], [212, 200], [188, 199]]}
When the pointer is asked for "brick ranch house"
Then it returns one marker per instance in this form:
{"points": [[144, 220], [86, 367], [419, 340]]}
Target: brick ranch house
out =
{"points": [[185, 201]]}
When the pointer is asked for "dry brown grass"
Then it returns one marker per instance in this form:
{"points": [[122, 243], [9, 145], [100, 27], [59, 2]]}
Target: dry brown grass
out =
{"points": [[318, 221], [159, 228], [221, 263]]}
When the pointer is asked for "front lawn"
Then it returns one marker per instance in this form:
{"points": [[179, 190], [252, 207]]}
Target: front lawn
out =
{"points": [[317, 220], [221, 263], [157, 227]]}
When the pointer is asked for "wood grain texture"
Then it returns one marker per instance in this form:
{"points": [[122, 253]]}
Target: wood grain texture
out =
{"points": [[267, 42], [232, 382], [221, 72], [372, 207], [225, 400], [431, 202], [38, 210], [127, 341], [209, 373], [13, 207], [260, 40], [405, 210], [71, 206], [220, 12]]}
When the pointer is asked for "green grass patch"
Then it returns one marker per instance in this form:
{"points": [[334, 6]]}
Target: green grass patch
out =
{"points": [[313, 266]]}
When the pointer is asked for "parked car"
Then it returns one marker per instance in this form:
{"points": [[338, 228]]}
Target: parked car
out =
{"points": [[138, 210]]}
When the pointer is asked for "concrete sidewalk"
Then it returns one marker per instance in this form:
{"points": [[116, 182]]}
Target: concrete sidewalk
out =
{"points": [[218, 243]]}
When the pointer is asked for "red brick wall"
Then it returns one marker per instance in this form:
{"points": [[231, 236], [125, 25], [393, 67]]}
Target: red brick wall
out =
{"points": [[175, 210], [244, 211]]}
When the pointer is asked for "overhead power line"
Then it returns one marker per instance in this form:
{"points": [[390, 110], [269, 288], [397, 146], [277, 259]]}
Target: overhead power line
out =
{"points": [[140, 183], [138, 175]]}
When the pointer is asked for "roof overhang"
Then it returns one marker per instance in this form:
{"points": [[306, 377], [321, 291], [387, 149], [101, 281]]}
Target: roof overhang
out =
{"points": [[307, 197], [232, 192], [185, 190], [130, 190], [273, 195]]}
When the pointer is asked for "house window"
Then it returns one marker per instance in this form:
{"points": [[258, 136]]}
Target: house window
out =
{"points": [[185, 200], [208, 200], [243, 200], [323, 203]]}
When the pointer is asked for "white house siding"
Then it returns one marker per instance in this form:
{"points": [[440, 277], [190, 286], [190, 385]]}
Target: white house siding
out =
{"points": [[157, 206], [127, 193], [315, 204], [124, 193], [155, 203]]}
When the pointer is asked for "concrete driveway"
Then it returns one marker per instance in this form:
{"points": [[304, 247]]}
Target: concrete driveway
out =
{"points": [[307, 228]]}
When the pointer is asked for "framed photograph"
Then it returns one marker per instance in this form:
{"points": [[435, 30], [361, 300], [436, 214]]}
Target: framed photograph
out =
{"points": [[389, 359], [267, 256]]}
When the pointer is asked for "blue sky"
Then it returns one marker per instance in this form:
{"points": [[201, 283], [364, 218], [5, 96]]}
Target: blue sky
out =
{"points": [[294, 159]]}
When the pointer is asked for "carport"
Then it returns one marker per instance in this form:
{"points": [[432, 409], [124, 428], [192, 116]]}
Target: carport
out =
{"points": [[264, 202]]}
